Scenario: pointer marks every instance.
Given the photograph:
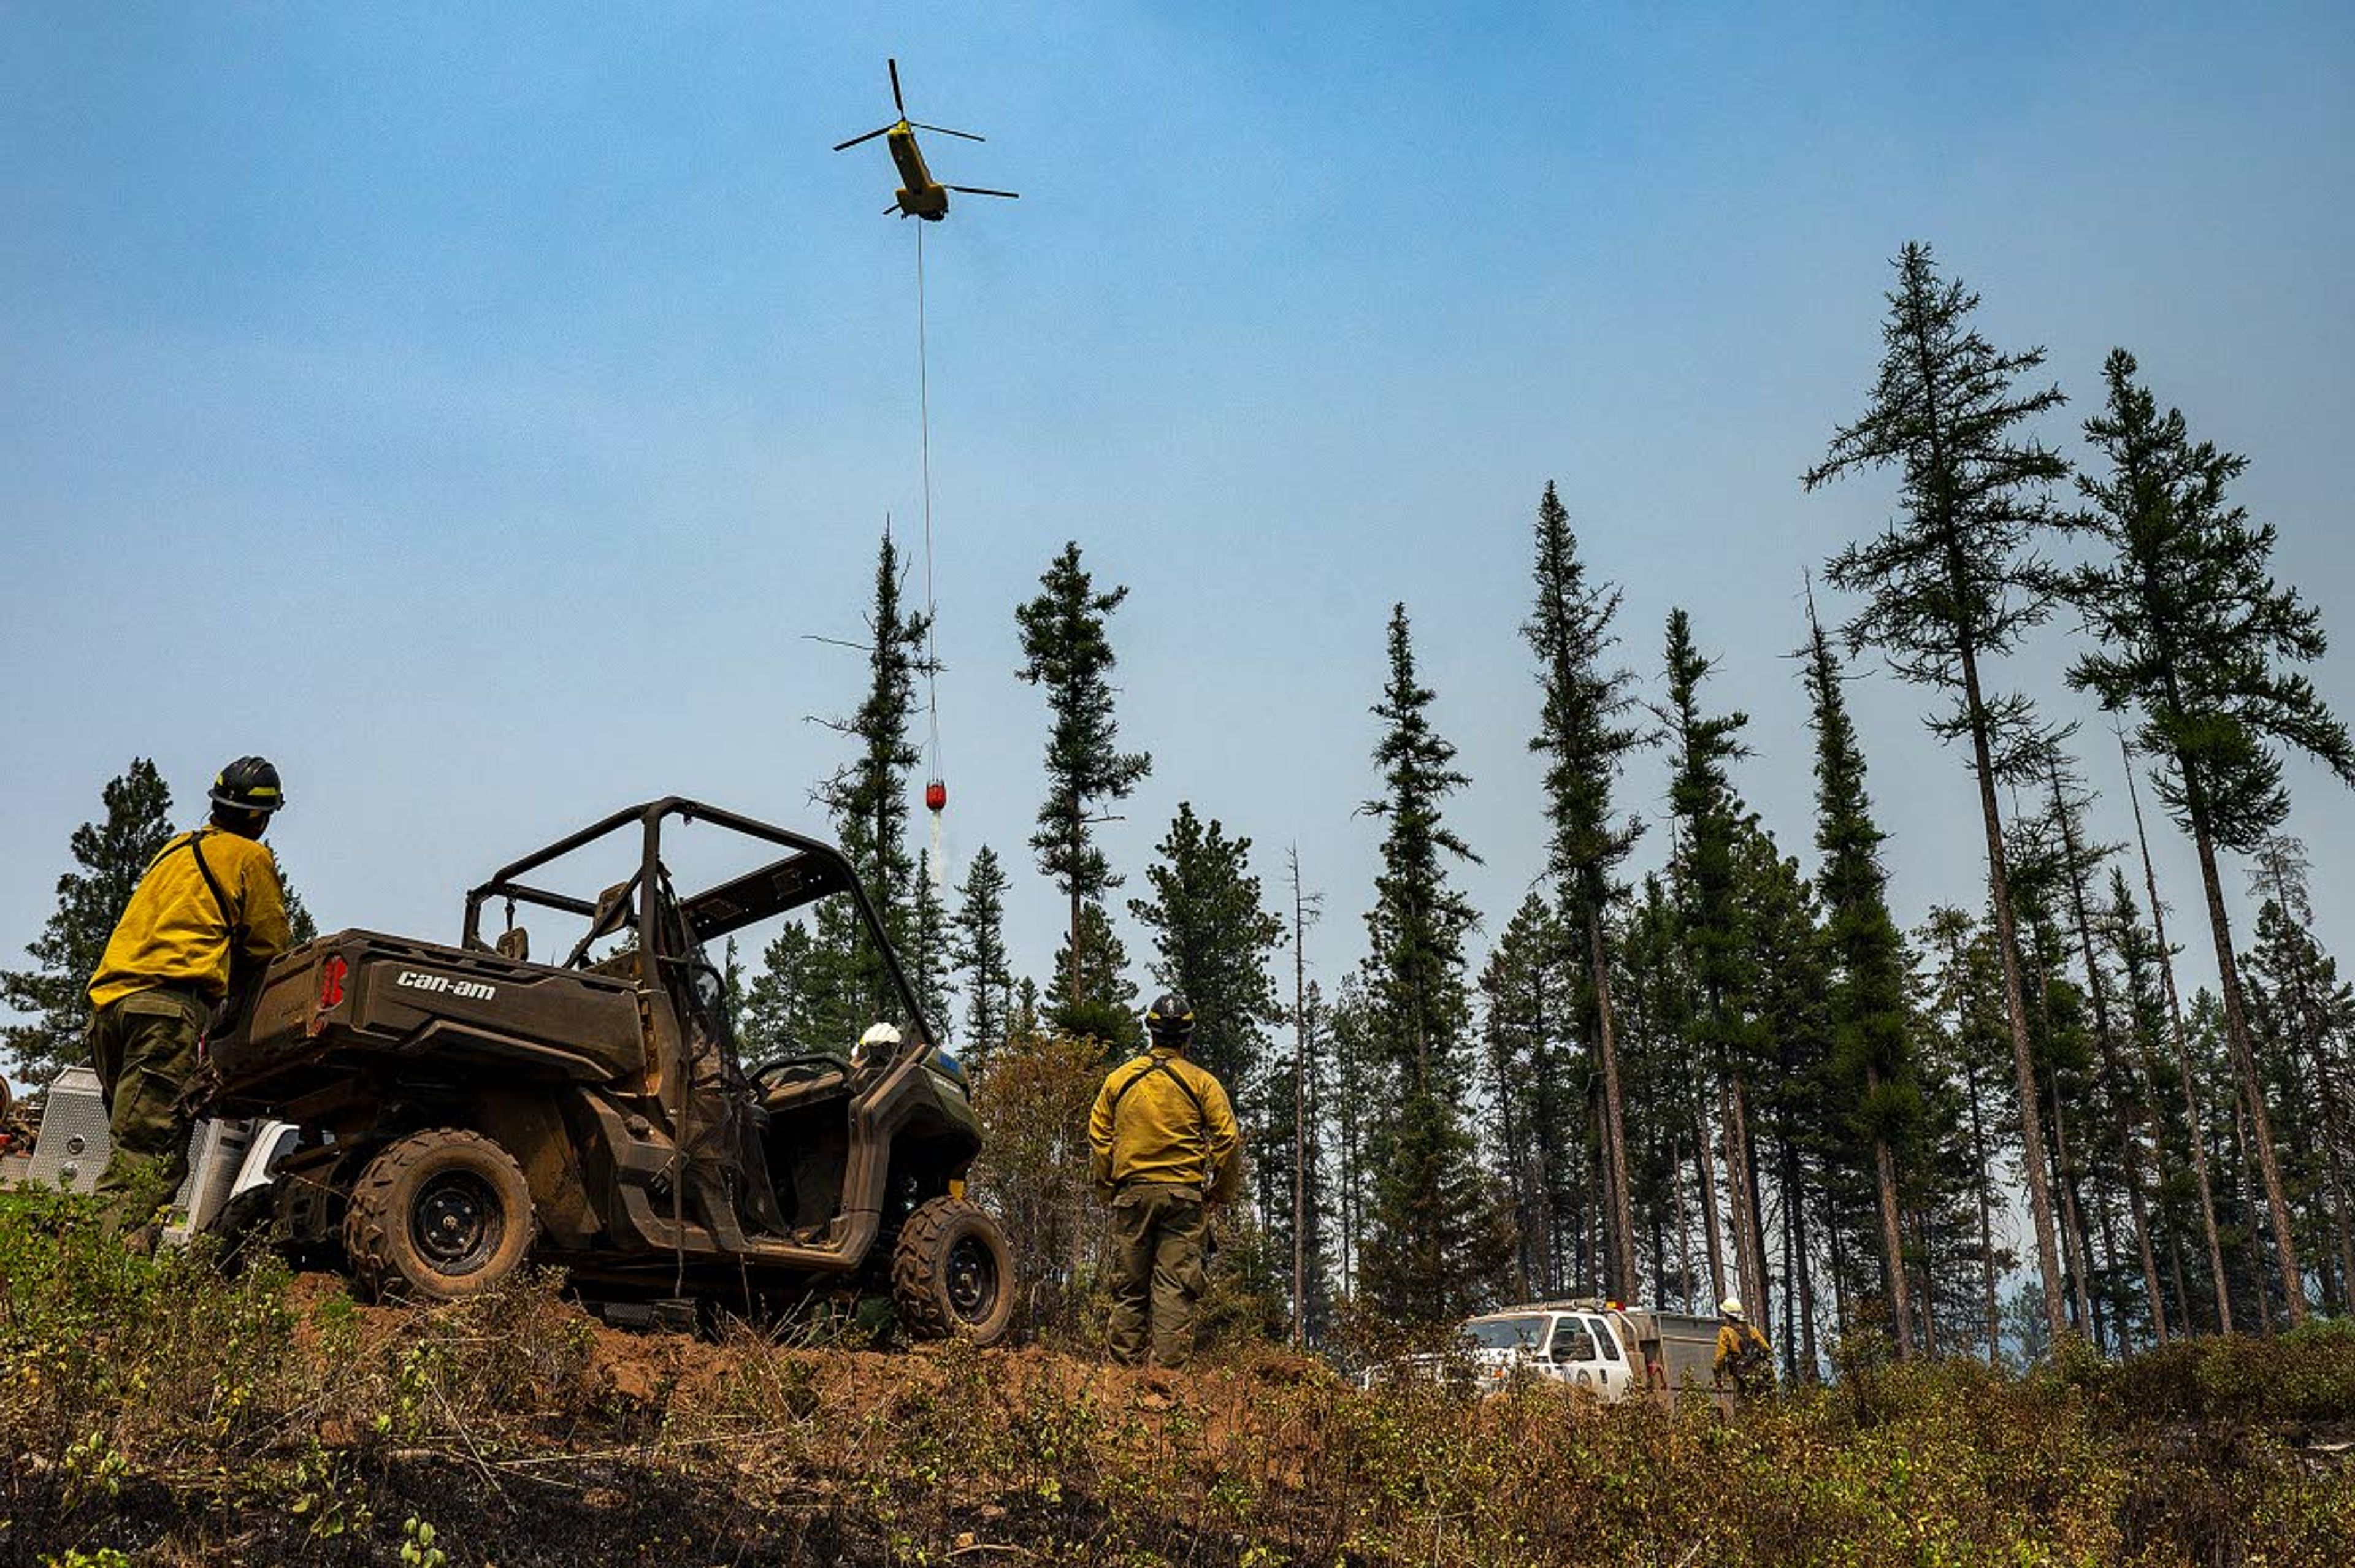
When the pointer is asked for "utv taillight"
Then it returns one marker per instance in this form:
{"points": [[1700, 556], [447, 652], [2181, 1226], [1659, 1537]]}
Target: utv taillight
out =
{"points": [[331, 983]]}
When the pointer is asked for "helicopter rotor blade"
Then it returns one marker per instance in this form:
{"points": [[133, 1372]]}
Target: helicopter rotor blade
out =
{"points": [[944, 131], [870, 135], [978, 190], [902, 102]]}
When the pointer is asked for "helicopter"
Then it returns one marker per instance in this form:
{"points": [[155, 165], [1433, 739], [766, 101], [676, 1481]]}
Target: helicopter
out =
{"points": [[922, 196]]}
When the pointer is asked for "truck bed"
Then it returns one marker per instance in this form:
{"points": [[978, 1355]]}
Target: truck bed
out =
{"points": [[359, 999]]}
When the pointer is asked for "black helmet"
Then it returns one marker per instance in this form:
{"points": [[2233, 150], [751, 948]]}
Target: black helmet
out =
{"points": [[249, 783], [1169, 1021]]}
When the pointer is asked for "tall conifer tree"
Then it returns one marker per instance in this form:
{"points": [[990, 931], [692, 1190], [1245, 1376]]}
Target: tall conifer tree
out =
{"points": [[1712, 923], [979, 953], [1870, 1042], [1067, 649], [1431, 1243], [868, 800], [2194, 633], [1214, 939], [1585, 737], [1957, 580]]}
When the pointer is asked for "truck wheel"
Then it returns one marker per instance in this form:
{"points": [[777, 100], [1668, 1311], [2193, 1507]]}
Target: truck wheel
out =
{"points": [[437, 1216], [952, 1274]]}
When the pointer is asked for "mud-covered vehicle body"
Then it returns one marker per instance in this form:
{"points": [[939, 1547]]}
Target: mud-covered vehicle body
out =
{"points": [[464, 1108]]}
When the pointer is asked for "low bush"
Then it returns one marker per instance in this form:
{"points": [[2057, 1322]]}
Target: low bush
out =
{"points": [[151, 1411]]}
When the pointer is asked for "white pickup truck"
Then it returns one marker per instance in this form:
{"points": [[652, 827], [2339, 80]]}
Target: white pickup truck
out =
{"points": [[1613, 1352], [1574, 1346]]}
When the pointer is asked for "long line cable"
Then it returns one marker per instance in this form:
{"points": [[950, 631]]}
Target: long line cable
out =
{"points": [[931, 609], [924, 424]]}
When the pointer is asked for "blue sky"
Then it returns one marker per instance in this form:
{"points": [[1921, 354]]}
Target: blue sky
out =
{"points": [[478, 409]]}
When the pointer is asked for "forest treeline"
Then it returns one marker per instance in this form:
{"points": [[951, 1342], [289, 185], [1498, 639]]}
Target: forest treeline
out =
{"points": [[1734, 1076]]}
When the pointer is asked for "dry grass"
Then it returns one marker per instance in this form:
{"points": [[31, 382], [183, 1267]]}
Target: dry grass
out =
{"points": [[157, 1411]]}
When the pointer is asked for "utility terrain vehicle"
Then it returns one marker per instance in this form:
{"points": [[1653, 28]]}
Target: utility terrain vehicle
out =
{"points": [[465, 1108]]}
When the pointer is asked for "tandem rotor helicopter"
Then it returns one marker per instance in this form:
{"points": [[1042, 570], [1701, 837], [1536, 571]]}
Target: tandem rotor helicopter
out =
{"points": [[922, 196]]}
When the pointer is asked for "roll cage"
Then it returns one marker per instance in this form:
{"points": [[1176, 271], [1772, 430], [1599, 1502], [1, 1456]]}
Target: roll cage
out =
{"points": [[812, 869]]}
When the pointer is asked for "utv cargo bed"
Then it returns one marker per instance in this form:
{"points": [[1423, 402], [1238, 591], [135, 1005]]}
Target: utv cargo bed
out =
{"points": [[330, 1005]]}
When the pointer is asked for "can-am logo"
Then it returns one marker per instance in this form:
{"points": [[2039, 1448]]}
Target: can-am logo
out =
{"points": [[444, 985]]}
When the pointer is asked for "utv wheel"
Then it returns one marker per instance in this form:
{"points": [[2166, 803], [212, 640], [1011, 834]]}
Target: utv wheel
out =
{"points": [[437, 1216], [952, 1275]]}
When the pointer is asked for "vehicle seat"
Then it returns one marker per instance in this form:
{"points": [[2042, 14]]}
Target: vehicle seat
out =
{"points": [[804, 1081]]}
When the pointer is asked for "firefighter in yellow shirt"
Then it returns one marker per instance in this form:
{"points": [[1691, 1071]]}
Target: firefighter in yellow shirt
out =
{"points": [[1744, 1362], [208, 916], [1163, 1139]]}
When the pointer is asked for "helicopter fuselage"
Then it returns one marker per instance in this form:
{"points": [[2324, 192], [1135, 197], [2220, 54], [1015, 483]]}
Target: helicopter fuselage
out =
{"points": [[922, 196]]}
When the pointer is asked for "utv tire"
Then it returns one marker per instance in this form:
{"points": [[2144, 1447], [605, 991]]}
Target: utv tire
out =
{"points": [[952, 1274], [438, 1216]]}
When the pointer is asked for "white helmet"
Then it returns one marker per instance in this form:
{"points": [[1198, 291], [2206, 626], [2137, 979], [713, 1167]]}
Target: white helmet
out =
{"points": [[880, 1040], [1731, 1307]]}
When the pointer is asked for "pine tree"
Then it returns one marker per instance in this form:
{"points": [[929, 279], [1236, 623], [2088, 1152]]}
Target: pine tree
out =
{"points": [[931, 963], [2081, 860], [1431, 1244], [1791, 1034], [1537, 1142], [1213, 941], [793, 1005], [868, 797], [1712, 915], [2143, 1002], [1583, 734], [1360, 1086], [1967, 988], [1106, 1010], [1957, 581], [1066, 649], [1303, 1107], [2316, 1020], [2060, 1045], [112, 855], [1871, 1048], [978, 951], [2193, 630], [1663, 1084], [2196, 1136]]}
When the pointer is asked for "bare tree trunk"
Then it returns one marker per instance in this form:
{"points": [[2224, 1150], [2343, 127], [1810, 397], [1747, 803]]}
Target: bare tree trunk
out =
{"points": [[2182, 1055], [1735, 1149], [1615, 1122], [2015, 1000], [1684, 1227], [1803, 1282], [1300, 1109], [1755, 1189], [2245, 1059], [1982, 1160], [1893, 1245], [1075, 842], [2175, 1277], [1708, 1174], [1929, 1291], [2073, 1234], [2249, 1202]]}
